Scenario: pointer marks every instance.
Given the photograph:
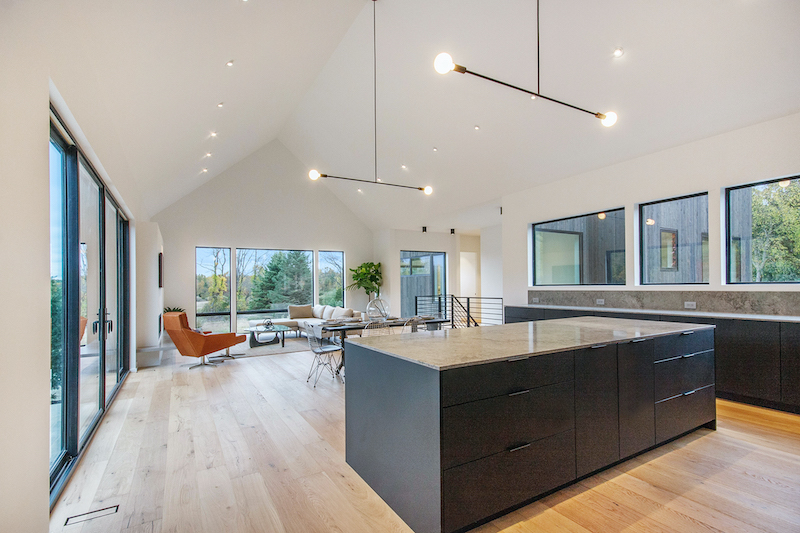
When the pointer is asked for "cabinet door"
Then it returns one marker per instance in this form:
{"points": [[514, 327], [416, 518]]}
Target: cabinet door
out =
{"points": [[596, 408], [790, 363], [748, 358], [564, 313], [636, 397], [522, 314]]}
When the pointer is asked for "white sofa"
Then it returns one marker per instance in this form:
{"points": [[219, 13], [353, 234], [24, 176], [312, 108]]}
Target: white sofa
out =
{"points": [[299, 315]]}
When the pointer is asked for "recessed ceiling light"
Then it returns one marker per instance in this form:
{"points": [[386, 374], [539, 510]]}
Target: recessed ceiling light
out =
{"points": [[477, 127], [601, 216], [435, 149], [220, 104], [377, 179], [205, 170], [650, 222], [359, 190], [213, 133], [403, 167], [208, 154], [618, 52], [533, 97], [784, 183], [229, 63]]}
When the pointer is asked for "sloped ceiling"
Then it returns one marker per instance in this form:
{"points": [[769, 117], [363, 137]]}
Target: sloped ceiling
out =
{"points": [[303, 74], [160, 68], [690, 70]]}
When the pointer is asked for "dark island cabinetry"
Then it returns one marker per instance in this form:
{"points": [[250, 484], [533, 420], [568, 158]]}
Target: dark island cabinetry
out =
{"points": [[523, 411], [757, 360], [596, 408]]}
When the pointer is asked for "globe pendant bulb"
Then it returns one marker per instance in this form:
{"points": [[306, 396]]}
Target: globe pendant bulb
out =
{"points": [[610, 120], [428, 190], [314, 175], [443, 63]]}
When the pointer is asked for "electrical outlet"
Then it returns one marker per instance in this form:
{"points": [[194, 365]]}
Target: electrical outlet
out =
{"points": [[534, 300], [690, 305], [600, 301]]}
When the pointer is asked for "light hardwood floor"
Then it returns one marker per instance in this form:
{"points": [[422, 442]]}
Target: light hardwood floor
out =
{"points": [[250, 447]]}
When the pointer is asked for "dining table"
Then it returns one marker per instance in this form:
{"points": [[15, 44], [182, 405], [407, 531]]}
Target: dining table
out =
{"points": [[341, 329]]}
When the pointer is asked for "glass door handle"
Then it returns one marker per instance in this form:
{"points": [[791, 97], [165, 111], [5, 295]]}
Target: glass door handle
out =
{"points": [[95, 327]]}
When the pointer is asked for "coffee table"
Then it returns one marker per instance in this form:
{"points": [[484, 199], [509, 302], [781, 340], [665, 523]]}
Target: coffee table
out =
{"points": [[275, 328]]}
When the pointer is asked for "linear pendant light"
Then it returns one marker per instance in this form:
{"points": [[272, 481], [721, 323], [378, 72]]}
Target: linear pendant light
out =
{"points": [[314, 175], [444, 64]]}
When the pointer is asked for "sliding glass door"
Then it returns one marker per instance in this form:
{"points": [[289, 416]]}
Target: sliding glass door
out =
{"points": [[89, 295]]}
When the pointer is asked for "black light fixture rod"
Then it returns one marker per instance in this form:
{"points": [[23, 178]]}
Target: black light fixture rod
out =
{"points": [[538, 61], [526, 91], [372, 182], [375, 94]]}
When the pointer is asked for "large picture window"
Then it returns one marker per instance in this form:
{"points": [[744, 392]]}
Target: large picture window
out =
{"points": [[764, 232], [213, 289], [674, 240], [331, 278], [582, 250], [267, 281]]}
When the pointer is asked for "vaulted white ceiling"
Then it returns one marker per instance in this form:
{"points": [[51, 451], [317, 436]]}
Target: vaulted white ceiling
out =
{"points": [[690, 70], [303, 74]]}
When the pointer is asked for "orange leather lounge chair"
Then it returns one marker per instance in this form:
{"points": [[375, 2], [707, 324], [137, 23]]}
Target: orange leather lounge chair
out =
{"points": [[193, 344]]}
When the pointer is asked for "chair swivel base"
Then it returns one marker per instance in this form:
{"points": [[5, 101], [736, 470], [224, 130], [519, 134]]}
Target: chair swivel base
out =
{"points": [[204, 363]]}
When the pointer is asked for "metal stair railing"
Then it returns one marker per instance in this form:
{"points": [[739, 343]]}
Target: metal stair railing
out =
{"points": [[461, 311]]}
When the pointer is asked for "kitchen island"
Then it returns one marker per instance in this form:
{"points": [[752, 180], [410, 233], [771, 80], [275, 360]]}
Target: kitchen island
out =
{"points": [[452, 428]]}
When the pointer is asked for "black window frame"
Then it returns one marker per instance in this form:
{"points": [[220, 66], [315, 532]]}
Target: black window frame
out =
{"points": [[728, 191], [582, 282], [643, 250]]}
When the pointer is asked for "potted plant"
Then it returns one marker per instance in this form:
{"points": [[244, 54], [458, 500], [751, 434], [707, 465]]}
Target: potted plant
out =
{"points": [[367, 276]]}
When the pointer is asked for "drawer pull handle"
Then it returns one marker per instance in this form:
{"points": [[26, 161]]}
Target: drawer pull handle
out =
{"points": [[595, 346], [518, 448], [687, 332], [688, 355], [520, 392], [690, 392], [518, 358], [639, 339]]}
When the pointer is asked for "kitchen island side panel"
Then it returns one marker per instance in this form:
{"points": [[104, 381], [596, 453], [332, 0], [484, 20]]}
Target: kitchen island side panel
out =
{"points": [[393, 420]]}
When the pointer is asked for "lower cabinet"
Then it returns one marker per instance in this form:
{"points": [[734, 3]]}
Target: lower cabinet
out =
{"points": [[476, 490], [636, 396], [684, 412], [790, 363], [596, 408], [748, 356]]}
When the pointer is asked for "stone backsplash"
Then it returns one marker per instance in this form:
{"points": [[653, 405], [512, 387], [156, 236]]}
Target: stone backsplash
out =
{"points": [[739, 302]]}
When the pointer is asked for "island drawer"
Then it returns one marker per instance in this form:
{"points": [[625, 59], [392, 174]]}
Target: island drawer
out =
{"points": [[684, 343], [477, 382], [683, 374], [685, 412], [482, 488], [478, 429]]}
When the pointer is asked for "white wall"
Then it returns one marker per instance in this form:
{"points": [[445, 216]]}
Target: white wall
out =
{"points": [[264, 201], [763, 151], [34, 37], [492, 261], [149, 297]]}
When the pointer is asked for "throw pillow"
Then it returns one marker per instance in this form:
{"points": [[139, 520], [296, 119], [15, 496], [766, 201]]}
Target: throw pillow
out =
{"points": [[328, 312], [300, 311], [317, 312], [341, 312]]}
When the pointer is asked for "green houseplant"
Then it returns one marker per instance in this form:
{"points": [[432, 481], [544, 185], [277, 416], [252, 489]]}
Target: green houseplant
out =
{"points": [[367, 276]]}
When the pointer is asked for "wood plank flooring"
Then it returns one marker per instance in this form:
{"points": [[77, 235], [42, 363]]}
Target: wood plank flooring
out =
{"points": [[249, 446]]}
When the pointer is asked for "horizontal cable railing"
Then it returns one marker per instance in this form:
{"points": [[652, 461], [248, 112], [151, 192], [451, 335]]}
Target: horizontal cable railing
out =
{"points": [[462, 311]]}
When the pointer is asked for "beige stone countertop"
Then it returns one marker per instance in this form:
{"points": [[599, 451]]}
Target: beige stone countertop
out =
{"points": [[453, 348]]}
